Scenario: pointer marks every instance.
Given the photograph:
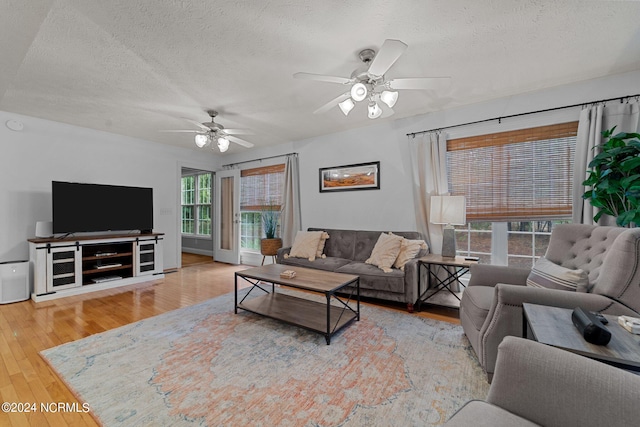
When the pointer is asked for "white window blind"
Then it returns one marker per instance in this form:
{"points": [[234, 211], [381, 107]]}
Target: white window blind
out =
{"points": [[261, 187], [522, 174]]}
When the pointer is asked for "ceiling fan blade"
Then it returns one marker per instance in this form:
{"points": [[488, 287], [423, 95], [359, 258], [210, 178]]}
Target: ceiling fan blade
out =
{"points": [[200, 125], [190, 131], [387, 55], [238, 131], [335, 101], [239, 141], [322, 78], [386, 112], [424, 83]]}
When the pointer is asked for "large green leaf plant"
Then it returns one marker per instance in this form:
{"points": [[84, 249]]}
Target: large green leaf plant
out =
{"points": [[614, 178]]}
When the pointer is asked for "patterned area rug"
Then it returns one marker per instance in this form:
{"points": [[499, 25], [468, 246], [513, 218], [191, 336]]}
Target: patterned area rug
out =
{"points": [[206, 366]]}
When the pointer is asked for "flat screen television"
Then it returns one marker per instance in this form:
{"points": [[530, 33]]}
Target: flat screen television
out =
{"points": [[81, 207]]}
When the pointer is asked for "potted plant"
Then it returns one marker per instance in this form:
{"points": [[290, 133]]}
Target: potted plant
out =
{"points": [[270, 244], [614, 178]]}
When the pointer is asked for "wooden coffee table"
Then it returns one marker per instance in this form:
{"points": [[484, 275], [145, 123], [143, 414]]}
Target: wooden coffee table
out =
{"points": [[324, 318], [553, 326]]}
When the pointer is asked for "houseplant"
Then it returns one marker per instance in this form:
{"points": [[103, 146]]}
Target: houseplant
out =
{"points": [[270, 244], [614, 178]]}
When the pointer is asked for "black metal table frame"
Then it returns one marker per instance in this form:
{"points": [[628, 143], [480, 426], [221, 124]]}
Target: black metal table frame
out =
{"points": [[441, 284], [329, 295]]}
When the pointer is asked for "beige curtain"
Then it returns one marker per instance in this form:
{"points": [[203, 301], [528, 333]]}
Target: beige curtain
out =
{"points": [[226, 213], [594, 120], [429, 168], [290, 219]]}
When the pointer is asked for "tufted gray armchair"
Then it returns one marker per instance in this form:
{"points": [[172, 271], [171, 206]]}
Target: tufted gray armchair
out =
{"points": [[491, 306]]}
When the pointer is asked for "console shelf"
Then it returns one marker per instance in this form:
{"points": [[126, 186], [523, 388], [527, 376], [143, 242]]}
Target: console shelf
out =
{"points": [[74, 265]]}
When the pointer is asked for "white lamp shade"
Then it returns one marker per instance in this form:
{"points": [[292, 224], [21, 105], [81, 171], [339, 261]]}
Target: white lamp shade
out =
{"points": [[346, 106], [358, 92], [389, 97], [374, 110], [223, 144], [448, 210], [201, 140]]}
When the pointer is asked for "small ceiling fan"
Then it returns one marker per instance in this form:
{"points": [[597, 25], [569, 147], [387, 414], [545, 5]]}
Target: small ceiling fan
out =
{"points": [[369, 82], [212, 131]]}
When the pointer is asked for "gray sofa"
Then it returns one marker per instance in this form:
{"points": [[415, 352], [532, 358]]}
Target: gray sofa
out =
{"points": [[346, 252], [538, 385]]}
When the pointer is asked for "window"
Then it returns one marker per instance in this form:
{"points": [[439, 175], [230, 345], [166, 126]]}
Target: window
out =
{"points": [[518, 185], [196, 204], [260, 188], [523, 174]]}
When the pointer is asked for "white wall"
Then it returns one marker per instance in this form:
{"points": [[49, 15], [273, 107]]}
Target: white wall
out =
{"points": [[391, 207], [46, 151]]}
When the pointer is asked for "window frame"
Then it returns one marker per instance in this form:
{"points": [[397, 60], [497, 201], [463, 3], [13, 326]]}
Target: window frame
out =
{"points": [[197, 205]]}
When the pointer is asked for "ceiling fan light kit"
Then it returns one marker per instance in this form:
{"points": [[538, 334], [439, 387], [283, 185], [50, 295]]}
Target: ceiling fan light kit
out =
{"points": [[358, 92], [374, 110], [212, 131], [346, 106], [370, 81], [223, 144], [389, 97], [202, 140]]}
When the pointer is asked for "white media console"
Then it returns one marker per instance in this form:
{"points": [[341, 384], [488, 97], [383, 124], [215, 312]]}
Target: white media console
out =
{"points": [[76, 265]]}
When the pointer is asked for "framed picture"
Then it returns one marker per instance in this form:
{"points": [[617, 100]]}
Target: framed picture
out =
{"points": [[362, 176]]}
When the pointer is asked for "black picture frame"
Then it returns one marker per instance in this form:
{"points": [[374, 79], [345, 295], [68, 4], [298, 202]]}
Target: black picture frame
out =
{"points": [[360, 176]]}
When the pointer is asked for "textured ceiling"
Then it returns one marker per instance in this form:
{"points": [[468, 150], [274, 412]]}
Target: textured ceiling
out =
{"points": [[138, 67]]}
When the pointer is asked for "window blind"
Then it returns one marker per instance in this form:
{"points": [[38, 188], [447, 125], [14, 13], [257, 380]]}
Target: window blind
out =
{"points": [[261, 187], [521, 174]]}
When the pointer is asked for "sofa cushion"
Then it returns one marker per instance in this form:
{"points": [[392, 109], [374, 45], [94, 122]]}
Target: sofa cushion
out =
{"points": [[306, 244], [385, 252], [546, 274], [371, 277], [327, 264], [477, 304]]}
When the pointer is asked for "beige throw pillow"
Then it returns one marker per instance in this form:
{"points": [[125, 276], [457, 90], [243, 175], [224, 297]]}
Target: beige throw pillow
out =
{"points": [[323, 238], [385, 251], [306, 244], [546, 274], [408, 251]]}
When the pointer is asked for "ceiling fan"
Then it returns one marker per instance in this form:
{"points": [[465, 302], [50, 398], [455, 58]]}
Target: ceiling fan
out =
{"points": [[212, 131], [369, 82]]}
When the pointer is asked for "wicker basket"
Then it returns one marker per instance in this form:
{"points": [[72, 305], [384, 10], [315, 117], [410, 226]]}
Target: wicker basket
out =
{"points": [[269, 247]]}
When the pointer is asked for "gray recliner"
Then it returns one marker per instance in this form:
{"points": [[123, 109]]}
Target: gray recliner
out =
{"points": [[538, 385], [491, 306]]}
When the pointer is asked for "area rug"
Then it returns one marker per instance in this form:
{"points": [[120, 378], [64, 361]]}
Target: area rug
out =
{"points": [[206, 366]]}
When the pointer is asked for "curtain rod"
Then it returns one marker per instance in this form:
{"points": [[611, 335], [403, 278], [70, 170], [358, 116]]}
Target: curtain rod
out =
{"points": [[259, 160], [621, 98]]}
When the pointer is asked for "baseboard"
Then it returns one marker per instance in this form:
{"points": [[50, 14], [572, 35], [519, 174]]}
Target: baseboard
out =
{"points": [[254, 258], [198, 251]]}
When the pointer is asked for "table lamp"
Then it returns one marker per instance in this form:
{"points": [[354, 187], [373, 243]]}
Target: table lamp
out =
{"points": [[450, 211]]}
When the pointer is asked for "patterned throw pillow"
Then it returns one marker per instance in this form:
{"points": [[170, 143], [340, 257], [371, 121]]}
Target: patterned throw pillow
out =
{"points": [[546, 274], [408, 251], [385, 251], [305, 245]]}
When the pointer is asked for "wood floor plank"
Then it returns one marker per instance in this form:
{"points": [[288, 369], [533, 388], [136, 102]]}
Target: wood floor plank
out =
{"points": [[27, 328]]}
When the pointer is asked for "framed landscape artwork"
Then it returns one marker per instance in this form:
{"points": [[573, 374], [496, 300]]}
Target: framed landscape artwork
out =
{"points": [[362, 176]]}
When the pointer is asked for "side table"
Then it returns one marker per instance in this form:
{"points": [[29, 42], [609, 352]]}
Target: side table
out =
{"points": [[442, 272], [553, 326]]}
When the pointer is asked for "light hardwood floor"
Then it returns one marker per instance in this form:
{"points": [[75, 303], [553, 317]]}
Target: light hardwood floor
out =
{"points": [[27, 328]]}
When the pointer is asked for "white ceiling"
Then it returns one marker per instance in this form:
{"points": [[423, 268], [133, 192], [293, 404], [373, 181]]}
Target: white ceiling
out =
{"points": [[138, 67]]}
